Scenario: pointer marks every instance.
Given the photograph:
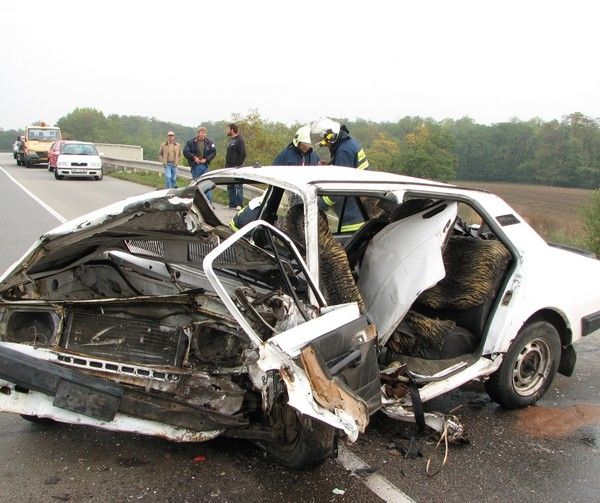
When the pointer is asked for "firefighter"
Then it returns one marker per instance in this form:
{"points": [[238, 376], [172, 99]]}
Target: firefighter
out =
{"points": [[344, 151], [298, 153]]}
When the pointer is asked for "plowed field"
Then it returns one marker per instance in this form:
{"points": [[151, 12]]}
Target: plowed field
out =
{"points": [[555, 212]]}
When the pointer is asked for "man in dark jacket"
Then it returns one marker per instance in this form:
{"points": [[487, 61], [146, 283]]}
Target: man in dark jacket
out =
{"points": [[235, 156], [345, 151], [199, 151], [299, 152]]}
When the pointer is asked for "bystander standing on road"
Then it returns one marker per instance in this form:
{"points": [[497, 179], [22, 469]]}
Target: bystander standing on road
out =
{"points": [[170, 154], [199, 151], [235, 156]]}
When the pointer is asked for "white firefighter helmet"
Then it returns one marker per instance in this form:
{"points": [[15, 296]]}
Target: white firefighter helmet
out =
{"points": [[302, 136], [324, 131]]}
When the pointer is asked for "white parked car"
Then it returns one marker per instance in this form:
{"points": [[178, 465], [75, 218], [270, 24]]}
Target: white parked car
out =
{"points": [[349, 292], [78, 159]]}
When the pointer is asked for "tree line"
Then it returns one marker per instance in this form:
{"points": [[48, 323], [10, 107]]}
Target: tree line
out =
{"points": [[562, 152]]}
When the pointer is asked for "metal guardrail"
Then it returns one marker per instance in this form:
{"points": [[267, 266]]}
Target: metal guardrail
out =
{"points": [[112, 163], [183, 171]]}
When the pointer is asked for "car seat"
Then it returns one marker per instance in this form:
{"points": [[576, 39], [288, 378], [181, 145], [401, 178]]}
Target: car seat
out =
{"points": [[449, 319], [336, 280]]}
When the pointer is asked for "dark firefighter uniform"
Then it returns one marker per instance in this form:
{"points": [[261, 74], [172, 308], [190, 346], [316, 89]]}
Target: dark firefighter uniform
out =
{"points": [[346, 152], [289, 156], [293, 156], [247, 214]]}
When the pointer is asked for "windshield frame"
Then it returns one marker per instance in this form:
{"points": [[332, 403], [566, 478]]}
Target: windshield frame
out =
{"points": [[211, 257], [38, 134]]}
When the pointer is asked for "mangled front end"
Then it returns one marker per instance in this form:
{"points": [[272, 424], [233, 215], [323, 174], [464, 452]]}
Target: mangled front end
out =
{"points": [[113, 320]]}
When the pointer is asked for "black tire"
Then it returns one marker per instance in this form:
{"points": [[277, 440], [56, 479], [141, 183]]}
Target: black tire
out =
{"points": [[528, 368], [100, 176], [57, 176], [18, 161], [302, 442], [46, 421]]}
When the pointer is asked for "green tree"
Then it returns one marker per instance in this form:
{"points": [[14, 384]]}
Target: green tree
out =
{"points": [[565, 152], [264, 140], [426, 153], [86, 124], [7, 138], [383, 154]]}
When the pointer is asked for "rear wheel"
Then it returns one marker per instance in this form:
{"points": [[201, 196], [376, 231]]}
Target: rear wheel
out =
{"points": [[528, 367], [301, 441]]}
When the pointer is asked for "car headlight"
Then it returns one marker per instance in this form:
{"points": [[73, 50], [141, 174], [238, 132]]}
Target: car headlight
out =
{"points": [[95, 164], [62, 164]]}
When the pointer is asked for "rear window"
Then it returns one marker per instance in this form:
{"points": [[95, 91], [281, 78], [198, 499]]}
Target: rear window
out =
{"points": [[78, 149]]}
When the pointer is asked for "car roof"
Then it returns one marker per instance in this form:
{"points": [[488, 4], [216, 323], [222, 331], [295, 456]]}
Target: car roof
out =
{"points": [[306, 178], [316, 175]]}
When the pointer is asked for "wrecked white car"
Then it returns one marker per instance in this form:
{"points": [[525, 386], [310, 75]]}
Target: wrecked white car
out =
{"points": [[349, 292]]}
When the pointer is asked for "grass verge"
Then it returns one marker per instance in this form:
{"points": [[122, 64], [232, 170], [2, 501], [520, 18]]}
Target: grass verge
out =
{"points": [[149, 178]]}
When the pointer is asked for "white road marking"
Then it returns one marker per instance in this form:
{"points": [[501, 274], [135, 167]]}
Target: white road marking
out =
{"points": [[50, 210], [375, 482]]}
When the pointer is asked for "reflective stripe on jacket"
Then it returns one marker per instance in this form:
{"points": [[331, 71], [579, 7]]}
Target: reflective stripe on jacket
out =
{"points": [[347, 152]]}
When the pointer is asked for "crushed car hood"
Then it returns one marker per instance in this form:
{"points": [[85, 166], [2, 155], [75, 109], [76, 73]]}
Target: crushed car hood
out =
{"points": [[161, 213]]}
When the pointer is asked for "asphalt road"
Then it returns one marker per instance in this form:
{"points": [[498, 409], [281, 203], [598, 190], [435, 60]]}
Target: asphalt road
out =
{"points": [[545, 453]]}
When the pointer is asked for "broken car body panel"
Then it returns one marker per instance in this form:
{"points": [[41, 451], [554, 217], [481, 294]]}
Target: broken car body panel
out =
{"points": [[149, 252], [200, 331]]}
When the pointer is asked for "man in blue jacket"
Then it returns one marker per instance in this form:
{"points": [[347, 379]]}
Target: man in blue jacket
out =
{"points": [[299, 152], [345, 151], [199, 151]]}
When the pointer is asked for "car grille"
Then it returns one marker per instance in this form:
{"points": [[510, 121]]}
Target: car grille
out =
{"points": [[79, 164], [124, 340], [118, 368]]}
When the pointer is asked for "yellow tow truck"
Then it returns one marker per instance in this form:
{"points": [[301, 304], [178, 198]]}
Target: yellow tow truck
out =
{"points": [[34, 147]]}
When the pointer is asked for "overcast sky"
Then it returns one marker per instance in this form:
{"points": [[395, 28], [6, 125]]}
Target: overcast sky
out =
{"points": [[193, 61]]}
